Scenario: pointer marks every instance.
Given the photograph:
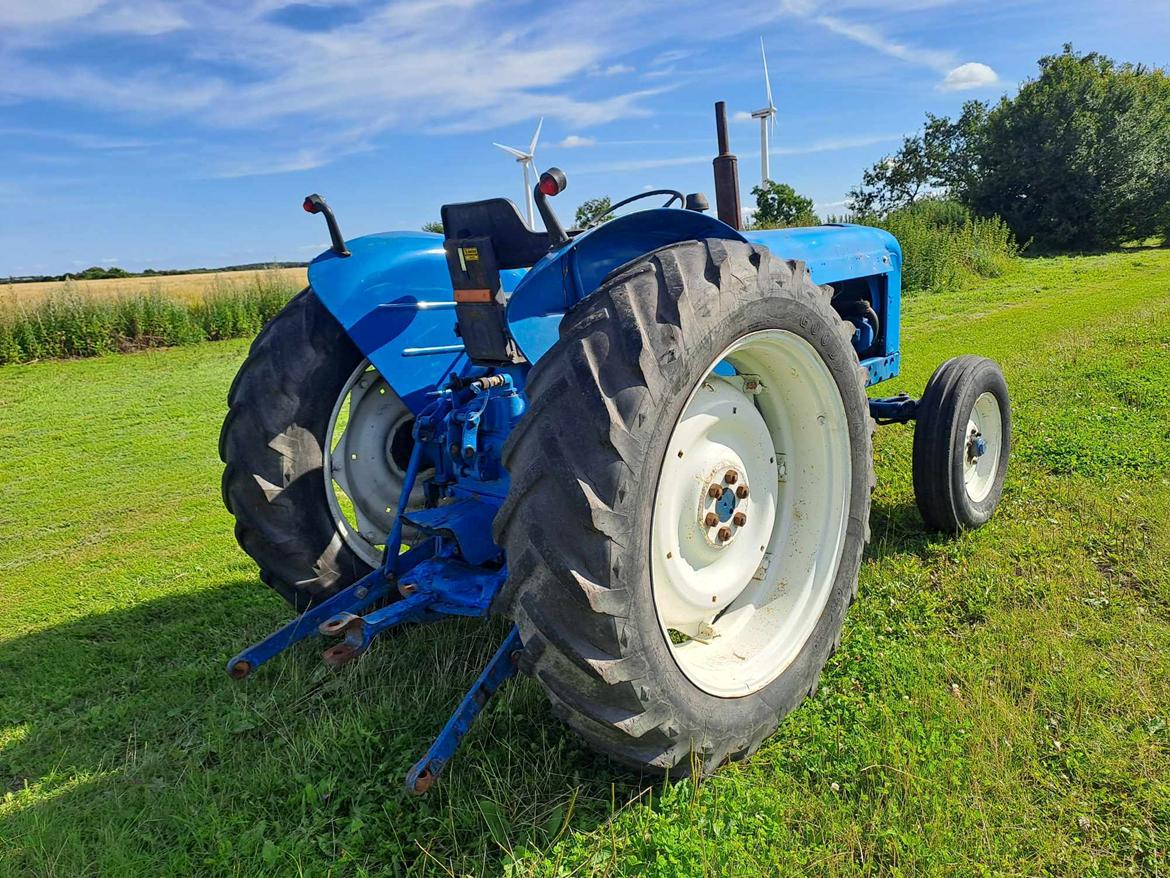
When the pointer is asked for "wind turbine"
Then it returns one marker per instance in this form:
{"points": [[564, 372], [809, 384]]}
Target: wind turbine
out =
{"points": [[525, 160], [767, 117]]}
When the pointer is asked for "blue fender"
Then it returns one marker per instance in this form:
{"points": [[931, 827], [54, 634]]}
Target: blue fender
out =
{"points": [[565, 276], [393, 296]]}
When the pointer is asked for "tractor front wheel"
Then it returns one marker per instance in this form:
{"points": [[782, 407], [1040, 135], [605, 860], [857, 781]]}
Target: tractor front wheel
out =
{"points": [[689, 504], [962, 439]]}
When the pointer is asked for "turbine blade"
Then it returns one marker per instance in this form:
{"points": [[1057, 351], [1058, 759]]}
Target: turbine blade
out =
{"points": [[535, 137], [767, 81], [511, 151]]}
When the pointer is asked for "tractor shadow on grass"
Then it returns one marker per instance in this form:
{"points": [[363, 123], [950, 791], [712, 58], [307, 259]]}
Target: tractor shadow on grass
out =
{"points": [[129, 749], [896, 528], [117, 716]]}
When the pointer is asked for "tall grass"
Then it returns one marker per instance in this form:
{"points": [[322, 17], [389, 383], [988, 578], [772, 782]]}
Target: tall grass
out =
{"points": [[70, 324], [944, 246]]}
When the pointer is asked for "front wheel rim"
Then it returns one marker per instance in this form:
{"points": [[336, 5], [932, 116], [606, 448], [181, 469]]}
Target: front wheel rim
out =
{"points": [[982, 447], [750, 513]]}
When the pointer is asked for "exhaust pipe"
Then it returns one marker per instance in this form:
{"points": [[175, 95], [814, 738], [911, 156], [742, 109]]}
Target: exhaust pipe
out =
{"points": [[726, 174]]}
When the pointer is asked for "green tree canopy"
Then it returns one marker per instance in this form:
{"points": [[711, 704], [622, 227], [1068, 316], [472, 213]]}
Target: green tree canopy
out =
{"points": [[1079, 158], [433, 226], [593, 212], [779, 205]]}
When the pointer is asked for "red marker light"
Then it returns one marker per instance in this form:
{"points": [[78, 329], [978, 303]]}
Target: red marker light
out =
{"points": [[309, 206], [549, 186]]}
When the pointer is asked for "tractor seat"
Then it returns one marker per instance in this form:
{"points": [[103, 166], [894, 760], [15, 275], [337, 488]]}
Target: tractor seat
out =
{"points": [[515, 245]]}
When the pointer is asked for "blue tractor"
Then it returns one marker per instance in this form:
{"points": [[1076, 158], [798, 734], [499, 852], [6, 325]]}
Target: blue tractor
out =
{"points": [[646, 443]]}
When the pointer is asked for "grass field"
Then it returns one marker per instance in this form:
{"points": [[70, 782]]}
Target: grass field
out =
{"points": [[183, 287], [1000, 703]]}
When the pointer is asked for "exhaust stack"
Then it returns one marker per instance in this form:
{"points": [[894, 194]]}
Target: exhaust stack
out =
{"points": [[726, 174]]}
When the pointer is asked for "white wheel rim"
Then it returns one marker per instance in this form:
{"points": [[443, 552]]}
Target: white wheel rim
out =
{"points": [[362, 475], [736, 611], [982, 446]]}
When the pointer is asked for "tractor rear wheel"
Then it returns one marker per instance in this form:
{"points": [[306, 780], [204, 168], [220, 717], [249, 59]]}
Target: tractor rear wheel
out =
{"points": [[314, 445], [689, 504]]}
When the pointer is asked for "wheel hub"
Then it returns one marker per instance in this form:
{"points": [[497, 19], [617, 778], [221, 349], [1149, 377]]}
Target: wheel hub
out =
{"points": [[976, 446], [723, 507]]}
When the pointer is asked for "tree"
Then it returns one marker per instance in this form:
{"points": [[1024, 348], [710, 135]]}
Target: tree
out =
{"points": [[939, 161], [1079, 158], [595, 211], [433, 226], [778, 205]]}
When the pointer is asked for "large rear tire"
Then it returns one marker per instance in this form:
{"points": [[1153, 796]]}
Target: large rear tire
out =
{"points": [[301, 374], [608, 557]]}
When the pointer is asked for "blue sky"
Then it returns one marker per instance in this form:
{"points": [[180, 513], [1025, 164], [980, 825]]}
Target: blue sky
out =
{"points": [[185, 133]]}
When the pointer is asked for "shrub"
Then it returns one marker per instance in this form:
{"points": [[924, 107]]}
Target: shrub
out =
{"points": [[70, 324], [944, 246]]}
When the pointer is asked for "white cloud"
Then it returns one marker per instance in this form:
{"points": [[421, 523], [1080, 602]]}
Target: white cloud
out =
{"points": [[970, 75], [424, 66], [956, 78], [611, 70], [147, 18], [22, 13], [874, 39], [575, 140]]}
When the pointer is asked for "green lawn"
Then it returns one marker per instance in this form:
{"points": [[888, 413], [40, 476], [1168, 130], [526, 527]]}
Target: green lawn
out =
{"points": [[1000, 703]]}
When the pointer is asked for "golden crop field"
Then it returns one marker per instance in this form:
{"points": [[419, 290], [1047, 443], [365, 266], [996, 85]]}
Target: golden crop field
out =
{"points": [[185, 287]]}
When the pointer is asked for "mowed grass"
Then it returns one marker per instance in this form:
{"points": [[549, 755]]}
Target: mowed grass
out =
{"points": [[1000, 703], [180, 287]]}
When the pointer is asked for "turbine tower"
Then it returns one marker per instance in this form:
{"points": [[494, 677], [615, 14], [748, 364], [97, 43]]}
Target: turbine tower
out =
{"points": [[767, 117], [525, 160]]}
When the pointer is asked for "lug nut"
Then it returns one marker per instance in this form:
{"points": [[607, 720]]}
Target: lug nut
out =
{"points": [[739, 519], [711, 519], [714, 492], [741, 492], [724, 534], [731, 477]]}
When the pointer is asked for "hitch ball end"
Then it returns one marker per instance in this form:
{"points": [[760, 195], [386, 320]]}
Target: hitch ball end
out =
{"points": [[423, 781]]}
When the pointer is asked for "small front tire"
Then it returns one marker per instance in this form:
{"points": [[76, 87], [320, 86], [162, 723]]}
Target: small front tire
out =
{"points": [[962, 440]]}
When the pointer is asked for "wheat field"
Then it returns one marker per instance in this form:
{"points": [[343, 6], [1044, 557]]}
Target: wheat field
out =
{"points": [[184, 287]]}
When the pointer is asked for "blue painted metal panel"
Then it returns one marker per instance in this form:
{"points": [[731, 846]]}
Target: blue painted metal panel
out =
{"points": [[393, 294], [838, 252]]}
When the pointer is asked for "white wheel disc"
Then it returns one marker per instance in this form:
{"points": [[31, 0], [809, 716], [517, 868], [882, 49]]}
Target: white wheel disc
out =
{"points": [[750, 513], [367, 446], [982, 447]]}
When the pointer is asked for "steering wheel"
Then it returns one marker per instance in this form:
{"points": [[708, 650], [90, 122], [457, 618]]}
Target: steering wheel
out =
{"points": [[674, 194]]}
